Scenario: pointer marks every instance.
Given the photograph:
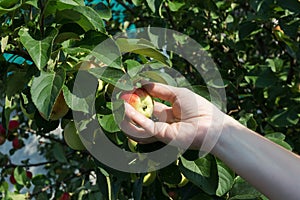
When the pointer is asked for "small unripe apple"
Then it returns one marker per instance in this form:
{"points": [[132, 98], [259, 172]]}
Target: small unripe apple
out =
{"points": [[72, 138], [13, 125], [140, 100]]}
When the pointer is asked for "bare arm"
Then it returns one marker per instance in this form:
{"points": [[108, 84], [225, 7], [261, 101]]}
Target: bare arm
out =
{"points": [[271, 169]]}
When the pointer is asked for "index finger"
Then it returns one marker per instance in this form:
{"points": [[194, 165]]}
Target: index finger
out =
{"points": [[161, 91]]}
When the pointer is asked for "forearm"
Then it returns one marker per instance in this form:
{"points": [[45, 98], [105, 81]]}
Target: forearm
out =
{"points": [[273, 170]]}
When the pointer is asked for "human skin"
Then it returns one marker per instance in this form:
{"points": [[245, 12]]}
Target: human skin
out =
{"points": [[270, 168]]}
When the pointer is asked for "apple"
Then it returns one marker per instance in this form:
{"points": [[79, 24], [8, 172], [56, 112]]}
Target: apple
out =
{"points": [[2, 135], [12, 179], [65, 196], [149, 178], [17, 143], [29, 174], [140, 100], [13, 125], [72, 138], [60, 108]]}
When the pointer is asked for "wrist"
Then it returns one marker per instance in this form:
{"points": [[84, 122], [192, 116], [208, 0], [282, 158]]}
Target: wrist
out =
{"points": [[228, 132]]}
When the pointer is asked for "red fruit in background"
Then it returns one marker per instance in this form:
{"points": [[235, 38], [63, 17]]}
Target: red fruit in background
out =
{"points": [[2, 134], [2, 130], [29, 174], [13, 125], [65, 196], [12, 179], [17, 144], [173, 194], [2, 139]]}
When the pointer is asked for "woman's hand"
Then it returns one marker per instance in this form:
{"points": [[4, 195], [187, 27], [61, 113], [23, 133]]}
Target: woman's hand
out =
{"points": [[184, 124]]}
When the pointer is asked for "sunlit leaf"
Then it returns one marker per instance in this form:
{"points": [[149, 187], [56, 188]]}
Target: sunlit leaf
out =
{"points": [[39, 50], [45, 90]]}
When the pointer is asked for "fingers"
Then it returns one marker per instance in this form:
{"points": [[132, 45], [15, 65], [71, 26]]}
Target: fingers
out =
{"points": [[136, 124], [164, 92], [163, 112]]}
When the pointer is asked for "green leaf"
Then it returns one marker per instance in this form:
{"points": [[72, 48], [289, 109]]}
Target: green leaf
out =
{"points": [[103, 10], [108, 123], [170, 174], [293, 6], [108, 53], [113, 76], [247, 28], [84, 16], [137, 2], [279, 138], [54, 5], [248, 120], [284, 118], [45, 90], [154, 5], [18, 78], [142, 47], [159, 76], [39, 50], [76, 103], [275, 64], [58, 153], [20, 175], [66, 36], [4, 186], [133, 67], [137, 190], [15, 196], [243, 190], [266, 78], [175, 5], [226, 178], [202, 172], [9, 5], [33, 3]]}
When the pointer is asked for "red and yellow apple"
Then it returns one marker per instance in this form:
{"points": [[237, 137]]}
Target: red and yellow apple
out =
{"points": [[140, 100]]}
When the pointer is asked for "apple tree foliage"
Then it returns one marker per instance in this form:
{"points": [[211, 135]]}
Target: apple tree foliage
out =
{"points": [[44, 43]]}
